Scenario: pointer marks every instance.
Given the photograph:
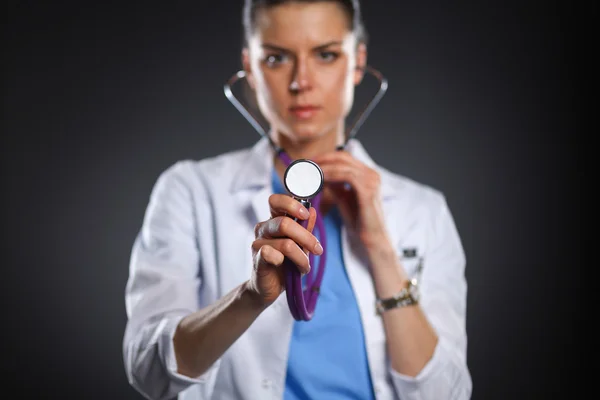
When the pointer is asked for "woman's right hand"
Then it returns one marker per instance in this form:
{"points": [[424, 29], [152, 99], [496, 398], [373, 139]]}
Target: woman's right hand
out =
{"points": [[278, 238]]}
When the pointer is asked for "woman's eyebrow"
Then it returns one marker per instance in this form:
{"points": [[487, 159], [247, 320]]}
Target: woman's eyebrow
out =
{"points": [[269, 46], [323, 46], [328, 44]]}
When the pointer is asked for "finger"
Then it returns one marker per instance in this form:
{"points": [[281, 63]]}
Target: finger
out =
{"points": [[341, 174], [269, 256], [312, 220], [281, 204], [337, 157], [285, 227], [267, 260], [286, 248]]}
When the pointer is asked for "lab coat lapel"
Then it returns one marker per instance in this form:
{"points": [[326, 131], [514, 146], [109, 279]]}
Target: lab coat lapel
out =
{"points": [[260, 204], [357, 265], [253, 179], [359, 274], [362, 284]]}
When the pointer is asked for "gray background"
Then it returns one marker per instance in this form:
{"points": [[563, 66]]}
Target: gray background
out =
{"points": [[99, 99]]}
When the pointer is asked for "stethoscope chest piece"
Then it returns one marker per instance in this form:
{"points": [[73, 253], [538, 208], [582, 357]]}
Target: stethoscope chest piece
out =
{"points": [[303, 179]]}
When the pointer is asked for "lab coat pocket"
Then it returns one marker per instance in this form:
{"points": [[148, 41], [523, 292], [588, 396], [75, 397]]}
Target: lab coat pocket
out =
{"points": [[412, 261]]}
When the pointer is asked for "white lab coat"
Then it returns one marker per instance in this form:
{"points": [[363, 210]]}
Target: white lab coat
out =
{"points": [[194, 247]]}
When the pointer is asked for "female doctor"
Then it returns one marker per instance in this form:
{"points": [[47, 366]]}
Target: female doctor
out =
{"points": [[206, 314]]}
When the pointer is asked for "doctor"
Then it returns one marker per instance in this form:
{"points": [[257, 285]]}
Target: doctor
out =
{"points": [[206, 315]]}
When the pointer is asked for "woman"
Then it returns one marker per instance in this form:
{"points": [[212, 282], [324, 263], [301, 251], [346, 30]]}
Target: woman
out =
{"points": [[206, 315]]}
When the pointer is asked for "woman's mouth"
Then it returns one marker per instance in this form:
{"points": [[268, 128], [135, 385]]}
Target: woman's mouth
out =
{"points": [[304, 111]]}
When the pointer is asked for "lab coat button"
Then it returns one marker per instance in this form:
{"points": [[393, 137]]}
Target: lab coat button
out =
{"points": [[266, 383]]}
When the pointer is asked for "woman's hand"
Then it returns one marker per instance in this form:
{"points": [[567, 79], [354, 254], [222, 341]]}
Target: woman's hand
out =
{"points": [[278, 238], [356, 189]]}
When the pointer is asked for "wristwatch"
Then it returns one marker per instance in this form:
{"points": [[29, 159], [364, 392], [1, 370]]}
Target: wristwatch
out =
{"points": [[409, 295]]}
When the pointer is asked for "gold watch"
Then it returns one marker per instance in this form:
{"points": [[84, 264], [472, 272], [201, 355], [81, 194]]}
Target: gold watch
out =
{"points": [[409, 295]]}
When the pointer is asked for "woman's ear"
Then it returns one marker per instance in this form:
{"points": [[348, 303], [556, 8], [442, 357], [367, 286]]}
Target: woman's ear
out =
{"points": [[247, 67], [361, 63]]}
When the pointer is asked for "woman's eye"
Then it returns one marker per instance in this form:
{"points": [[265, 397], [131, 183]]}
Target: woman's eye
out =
{"points": [[274, 59], [328, 56]]}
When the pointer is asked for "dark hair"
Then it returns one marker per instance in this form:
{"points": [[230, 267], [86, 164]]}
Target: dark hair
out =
{"points": [[352, 8]]}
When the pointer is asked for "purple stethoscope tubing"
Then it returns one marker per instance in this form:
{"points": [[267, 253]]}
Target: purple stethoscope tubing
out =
{"points": [[302, 302]]}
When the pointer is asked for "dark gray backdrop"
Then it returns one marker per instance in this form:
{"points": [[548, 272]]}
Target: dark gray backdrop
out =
{"points": [[99, 99]]}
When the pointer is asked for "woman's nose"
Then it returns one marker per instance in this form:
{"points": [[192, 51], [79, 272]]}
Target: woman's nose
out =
{"points": [[301, 79]]}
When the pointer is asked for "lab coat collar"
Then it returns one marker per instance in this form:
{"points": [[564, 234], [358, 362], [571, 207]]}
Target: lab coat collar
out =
{"points": [[255, 171]]}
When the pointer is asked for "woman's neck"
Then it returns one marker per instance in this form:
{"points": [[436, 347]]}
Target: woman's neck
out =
{"points": [[297, 149]]}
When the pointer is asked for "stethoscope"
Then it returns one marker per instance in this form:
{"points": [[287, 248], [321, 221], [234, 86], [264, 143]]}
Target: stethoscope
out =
{"points": [[304, 180]]}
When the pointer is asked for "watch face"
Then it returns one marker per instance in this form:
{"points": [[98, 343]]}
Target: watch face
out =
{"points": [[414, 292]]}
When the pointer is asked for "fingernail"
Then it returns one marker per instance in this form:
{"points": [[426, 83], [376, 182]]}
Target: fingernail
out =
{"points": [[318, 248], [304, 212]]}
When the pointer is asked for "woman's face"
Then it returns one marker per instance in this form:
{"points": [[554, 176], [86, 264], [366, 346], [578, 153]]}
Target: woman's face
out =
{"points": [[301, 62]]}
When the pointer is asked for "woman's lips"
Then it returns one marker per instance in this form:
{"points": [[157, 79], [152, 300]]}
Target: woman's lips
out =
{"points": [[304, 112]]}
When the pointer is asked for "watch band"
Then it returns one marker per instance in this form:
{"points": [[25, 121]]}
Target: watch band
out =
{"points": [[409, 295]]}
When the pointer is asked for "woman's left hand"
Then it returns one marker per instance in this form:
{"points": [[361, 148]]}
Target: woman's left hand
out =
{"points": [[356, 188]]}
